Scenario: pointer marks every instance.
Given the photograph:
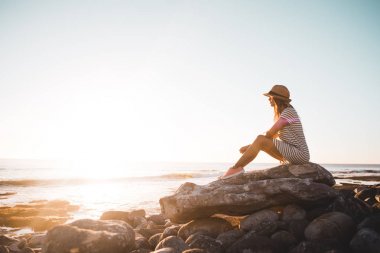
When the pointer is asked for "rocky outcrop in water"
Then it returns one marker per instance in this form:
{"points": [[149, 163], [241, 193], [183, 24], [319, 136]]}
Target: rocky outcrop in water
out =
{"points": [[305, 185]]}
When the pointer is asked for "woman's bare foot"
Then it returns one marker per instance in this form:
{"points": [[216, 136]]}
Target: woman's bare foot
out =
{"points": [[232, 172]]}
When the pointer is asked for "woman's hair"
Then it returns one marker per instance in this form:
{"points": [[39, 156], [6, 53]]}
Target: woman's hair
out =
{"points": [[279, 106]]}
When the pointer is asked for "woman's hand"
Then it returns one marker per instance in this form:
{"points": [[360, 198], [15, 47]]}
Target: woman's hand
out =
{"points": [[243, 149]]}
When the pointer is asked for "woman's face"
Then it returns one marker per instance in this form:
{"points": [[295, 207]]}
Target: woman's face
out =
{"points": [[271, 101]]}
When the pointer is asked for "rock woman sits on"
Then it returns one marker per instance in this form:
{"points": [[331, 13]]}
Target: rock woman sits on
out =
{"points": [[284, 141]]}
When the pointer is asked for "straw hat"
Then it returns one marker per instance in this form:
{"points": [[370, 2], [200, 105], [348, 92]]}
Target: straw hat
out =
{"points": [[280, 92]]}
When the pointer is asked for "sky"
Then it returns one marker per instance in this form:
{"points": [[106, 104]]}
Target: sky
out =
{"points": [[183, 80]]}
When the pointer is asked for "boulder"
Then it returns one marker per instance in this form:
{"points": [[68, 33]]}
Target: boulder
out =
{"points": [[159, 219], [366, 240], [372, 222], [293, 212], [242, 196], [199, 241], [154, 240], [88, 236], [251, 243], [254, 220], [334, 225], [354, 207], [128, 217], [173, 242], [284, 239], [211, 226], [230, 237]]}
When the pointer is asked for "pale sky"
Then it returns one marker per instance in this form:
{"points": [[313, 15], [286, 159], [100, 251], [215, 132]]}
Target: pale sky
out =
{"points": [[183, 80]]}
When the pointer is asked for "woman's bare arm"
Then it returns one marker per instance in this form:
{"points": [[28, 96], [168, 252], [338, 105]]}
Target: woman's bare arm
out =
{"points": [[280, 124]]}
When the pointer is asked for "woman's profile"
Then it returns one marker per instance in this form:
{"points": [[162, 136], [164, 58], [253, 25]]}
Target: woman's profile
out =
{"points": [[285, 140]]}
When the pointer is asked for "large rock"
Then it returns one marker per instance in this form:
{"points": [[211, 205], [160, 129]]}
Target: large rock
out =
{"points": [[90, 236], [305, 185], [211, 226], [334, 225]]}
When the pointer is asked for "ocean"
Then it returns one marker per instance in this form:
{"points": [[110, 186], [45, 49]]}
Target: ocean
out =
{"points": [[97, 188]]}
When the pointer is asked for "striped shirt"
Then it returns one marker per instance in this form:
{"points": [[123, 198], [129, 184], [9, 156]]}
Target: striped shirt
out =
{"points": [[291, 142]]}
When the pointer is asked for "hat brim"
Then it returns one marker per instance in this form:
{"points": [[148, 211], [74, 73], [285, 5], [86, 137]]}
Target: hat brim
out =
{"points": [[275, 96]]}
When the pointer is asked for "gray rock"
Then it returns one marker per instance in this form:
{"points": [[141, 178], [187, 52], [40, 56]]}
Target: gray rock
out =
{"points": [[141, 251], [250, 192], [147, 233], [170, 231], [173, 242], [254, 220], [284, 239], [321, 246], [297, 228], [4, 249], [6, 240], [211, 226], [372, 222], [293, 212], [354, 207], [334, 225], [230, 237], [159, 219], [199, 241], [366, 240], [166, 250], [36, 240], [252, 243], [154, 240], [124, 216], [90, 236], [195, 251], [143, 243]]}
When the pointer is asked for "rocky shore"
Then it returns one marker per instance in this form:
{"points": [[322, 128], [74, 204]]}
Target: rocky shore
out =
{"points": [[289, 208]]}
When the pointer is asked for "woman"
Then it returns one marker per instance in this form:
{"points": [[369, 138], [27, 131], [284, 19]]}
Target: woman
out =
{"points": [[285, 141]]}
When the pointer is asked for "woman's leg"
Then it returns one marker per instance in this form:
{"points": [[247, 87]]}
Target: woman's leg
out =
{"points": [[261, 143]]}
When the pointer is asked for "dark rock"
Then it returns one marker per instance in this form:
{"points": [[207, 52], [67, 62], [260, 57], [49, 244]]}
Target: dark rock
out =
{"points": [[293, 212], [251, 192], [266, 228], [366, 240], [147, 233], [199, 241], [284, 240], [211, 226], [297, 228], [334, 225], [170, 231], [254, 220], [36, 240], [27, 250], [4, 249], [6, 240], [372, 222], [159, 219], [354, 207], [368, 194], [143, 243], [166, 250], [124, 216], [251, 243], [316, 212], [173, 242], [154, 240], [90, 235], [141, 251], [230, 237], [321, 246], [140, 222], [195, 251]]}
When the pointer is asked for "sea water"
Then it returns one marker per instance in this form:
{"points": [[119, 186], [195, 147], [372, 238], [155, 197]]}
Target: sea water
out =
{"points": [[97, 188]]}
